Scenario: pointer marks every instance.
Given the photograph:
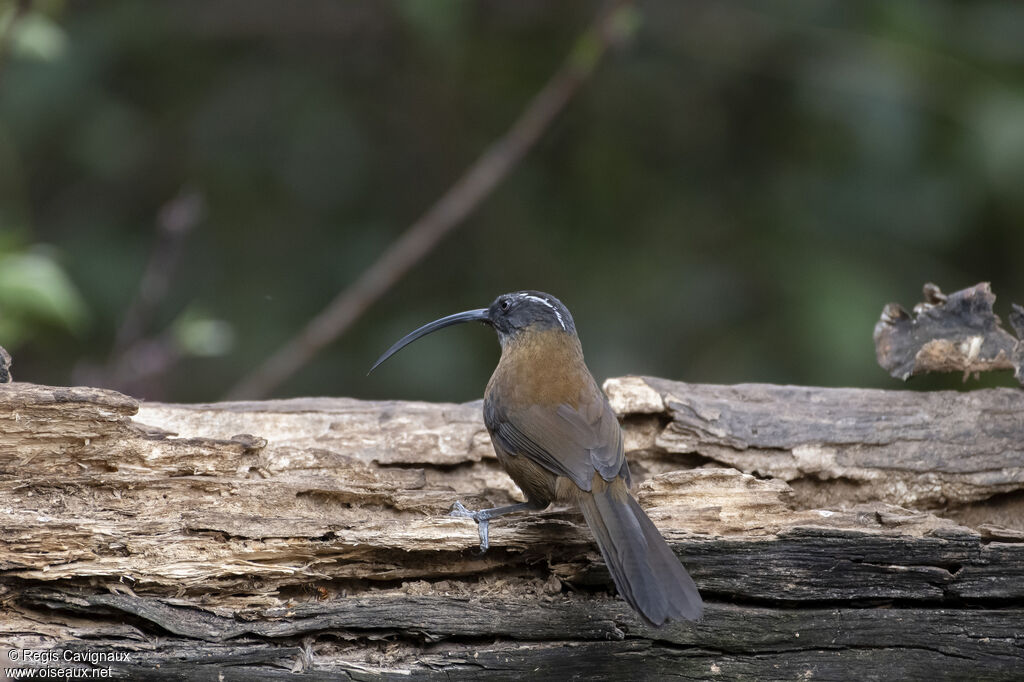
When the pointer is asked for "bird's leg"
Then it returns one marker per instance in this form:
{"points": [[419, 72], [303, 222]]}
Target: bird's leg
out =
{"points": [[484, 516]]}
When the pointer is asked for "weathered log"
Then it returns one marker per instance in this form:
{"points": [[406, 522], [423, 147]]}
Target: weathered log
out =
{"points": [[840, 445], [256, 539]]}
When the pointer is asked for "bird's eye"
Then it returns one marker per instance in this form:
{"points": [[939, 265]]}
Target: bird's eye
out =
{"points": [[505, 304]]}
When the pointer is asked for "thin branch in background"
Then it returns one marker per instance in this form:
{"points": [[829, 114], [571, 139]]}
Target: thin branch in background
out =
{"points": [[613, 26], [21, 8], [140, 368], [137, 359], [176, 219]]}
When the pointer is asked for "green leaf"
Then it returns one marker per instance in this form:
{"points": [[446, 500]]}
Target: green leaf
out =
{"points": [[199, 335], [35, 290], [37, 37]]}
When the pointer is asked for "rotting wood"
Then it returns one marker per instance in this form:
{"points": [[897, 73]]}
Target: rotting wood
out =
{"points": [[955, 333], [585, 634], [839, 445], [5, 366], [310, 535]]}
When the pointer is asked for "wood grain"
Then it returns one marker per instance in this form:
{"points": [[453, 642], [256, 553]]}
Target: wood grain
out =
{"points": [[251, 540]]}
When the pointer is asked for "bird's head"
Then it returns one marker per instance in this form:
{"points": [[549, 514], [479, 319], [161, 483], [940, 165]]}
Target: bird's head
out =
{"points": [[509, 314]]}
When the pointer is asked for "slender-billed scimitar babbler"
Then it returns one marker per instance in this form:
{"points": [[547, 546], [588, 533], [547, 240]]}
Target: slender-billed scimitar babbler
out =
{"points": [[556, 435]]}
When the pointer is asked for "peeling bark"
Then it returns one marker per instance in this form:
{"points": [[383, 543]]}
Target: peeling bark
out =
{"points": [[309, 537], [955, 333], [839, 445]]}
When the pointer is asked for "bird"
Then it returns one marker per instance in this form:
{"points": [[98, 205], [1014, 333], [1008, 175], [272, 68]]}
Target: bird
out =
{"points": [[558, 438]]}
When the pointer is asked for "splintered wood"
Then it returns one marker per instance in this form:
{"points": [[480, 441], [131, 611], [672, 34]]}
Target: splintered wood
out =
{"points": [[277, 539], [955, 333]]}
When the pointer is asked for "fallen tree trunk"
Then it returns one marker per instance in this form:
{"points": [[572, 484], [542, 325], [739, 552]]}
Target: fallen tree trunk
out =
{"points": [[833, 533]]}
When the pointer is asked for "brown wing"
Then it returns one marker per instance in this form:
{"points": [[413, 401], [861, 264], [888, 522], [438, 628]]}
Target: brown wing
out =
{"points": [[570, 442]]}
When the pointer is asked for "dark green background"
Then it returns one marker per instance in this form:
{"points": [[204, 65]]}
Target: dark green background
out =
{"points": [[731, 198]]}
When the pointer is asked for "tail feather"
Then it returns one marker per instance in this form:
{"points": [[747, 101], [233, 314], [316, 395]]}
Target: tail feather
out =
{"points": [[646, 572]]}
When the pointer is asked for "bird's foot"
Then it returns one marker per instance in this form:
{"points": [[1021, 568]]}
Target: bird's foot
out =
{"points": [[482, 522], [460, 511]]}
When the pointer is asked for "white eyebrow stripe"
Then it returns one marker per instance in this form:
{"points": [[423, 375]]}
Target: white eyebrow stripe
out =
{"points": [[548, 304]]}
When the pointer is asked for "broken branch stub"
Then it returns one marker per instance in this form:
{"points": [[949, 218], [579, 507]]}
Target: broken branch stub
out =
{"points": [[5, 366], [954, 333]]}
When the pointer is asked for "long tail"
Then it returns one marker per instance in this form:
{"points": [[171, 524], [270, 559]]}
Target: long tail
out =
{"points": [[646, 572]]}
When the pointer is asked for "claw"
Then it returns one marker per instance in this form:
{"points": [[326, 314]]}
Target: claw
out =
{"points": [[460, 511], [482, 522]]}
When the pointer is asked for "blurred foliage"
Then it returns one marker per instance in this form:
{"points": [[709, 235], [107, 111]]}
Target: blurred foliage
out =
{"points": [[33, 35], [36, 297], [733, 198], [201, 336]]}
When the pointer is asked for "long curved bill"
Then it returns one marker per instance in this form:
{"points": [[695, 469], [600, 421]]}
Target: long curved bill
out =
{"points": [[458, 318]]}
